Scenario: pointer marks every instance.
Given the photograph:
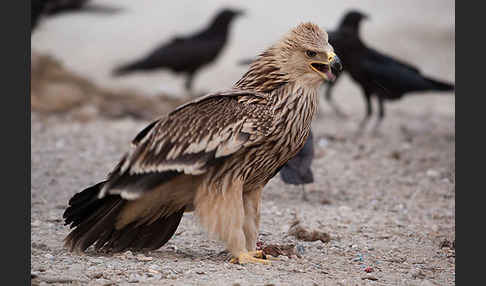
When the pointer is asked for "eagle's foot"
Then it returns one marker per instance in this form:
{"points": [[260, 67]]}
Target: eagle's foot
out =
{"points": [[250, 257]]}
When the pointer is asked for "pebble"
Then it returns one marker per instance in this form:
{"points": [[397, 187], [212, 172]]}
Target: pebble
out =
{"points": [[141, 257], [417, 273], [134, 278], [323, 143], [49, 256], [96, 260], [369, 277], [432, 173], [300, 249], [155, 267]]}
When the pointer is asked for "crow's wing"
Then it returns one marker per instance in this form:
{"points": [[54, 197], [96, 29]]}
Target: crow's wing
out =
{"points": [[394, 79], [377, 57], [182, 53]]}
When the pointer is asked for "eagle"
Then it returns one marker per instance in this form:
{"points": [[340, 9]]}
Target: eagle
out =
{"points": [[211, 156]]}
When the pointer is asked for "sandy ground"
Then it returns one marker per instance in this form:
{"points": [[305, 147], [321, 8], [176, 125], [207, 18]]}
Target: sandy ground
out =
{"points": [[387, 201]]}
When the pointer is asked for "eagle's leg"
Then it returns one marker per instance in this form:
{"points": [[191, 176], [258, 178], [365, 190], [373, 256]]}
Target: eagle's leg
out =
{"points": [[221, 210], [252, 202]]}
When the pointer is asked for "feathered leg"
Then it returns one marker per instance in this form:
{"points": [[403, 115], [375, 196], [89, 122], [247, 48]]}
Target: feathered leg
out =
{"points": [[221, 211], [252, 202]]}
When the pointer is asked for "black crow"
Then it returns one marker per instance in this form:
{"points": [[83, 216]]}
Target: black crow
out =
{"points": [[187, 54], [44, 8], [378, 74], [297, 171]]}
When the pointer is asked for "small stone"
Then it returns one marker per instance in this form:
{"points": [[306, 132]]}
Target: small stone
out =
{"points": [[96, 261], [154, 267], [300, 249], [141, 257], [369, 277], [133, 278], [432, 173], [49, 256], [417, 274], [97, 275], [172, 276]]}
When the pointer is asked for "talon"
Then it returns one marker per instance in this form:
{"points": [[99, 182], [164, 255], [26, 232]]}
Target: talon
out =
{"points": [[246, 257], [257, 254]]}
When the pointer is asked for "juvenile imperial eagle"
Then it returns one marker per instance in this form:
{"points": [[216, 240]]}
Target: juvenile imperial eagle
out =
{"points": [[212, 156]]}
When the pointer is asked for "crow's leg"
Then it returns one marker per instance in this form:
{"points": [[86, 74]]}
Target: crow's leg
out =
{"points": [[369, 112], [304, 194], [381, 115], [189, 80]]}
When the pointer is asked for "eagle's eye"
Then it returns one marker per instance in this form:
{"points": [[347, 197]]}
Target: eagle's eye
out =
{"points": [[310, 54]]}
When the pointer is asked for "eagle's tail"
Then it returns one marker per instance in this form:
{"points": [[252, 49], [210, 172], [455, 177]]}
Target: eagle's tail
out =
{"points": [[94, 221]]}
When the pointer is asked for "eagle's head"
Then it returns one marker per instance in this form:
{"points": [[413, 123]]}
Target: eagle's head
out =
{"points": [[306, 55], [302, 56]]}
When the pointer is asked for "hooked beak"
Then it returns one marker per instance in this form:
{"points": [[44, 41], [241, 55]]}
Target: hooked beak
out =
{"points": [[328, 70], [239, 12]]}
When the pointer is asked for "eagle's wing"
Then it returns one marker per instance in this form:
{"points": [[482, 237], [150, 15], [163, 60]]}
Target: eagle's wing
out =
{"points": [[189, 140]]}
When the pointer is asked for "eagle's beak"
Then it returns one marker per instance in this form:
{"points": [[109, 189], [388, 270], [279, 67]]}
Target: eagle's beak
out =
{"points": [[328, 70]]}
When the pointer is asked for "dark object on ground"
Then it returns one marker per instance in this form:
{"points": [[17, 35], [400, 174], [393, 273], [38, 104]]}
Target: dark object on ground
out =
{"points": [[378, 74], [276, 250], [298, 170], [305, 234], [187, 54]]}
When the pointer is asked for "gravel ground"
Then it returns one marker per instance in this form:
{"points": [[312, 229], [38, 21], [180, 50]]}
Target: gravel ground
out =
{"points": [[387, 200]]}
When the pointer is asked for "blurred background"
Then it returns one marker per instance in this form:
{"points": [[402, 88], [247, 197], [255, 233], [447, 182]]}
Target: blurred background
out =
{"points": [[92, 45]]}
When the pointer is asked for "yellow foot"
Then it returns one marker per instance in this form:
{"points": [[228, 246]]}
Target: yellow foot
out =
{"points": [[248, 257], [256, 254]]}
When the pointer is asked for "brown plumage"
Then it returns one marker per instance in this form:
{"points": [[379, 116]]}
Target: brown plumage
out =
{"points": [[212, 156]]}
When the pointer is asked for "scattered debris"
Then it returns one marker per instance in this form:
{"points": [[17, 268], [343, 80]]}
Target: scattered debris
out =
{"points": [[142, 257], [369, 277], [368, 269], [305, 234], [447, 243], [396, 155], [276, 250], [325, 202]]}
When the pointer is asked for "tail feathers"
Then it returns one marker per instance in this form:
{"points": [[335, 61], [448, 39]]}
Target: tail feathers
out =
{"points": [[94, 221], [126, 69], [441, 86]]}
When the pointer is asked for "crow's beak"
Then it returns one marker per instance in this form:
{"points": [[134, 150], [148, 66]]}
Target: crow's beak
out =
{"points": [[336, 65], [239, 12]]}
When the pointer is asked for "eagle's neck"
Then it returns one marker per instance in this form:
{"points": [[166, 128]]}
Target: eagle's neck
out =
{"points": [[294, 106], [264, 75]]}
